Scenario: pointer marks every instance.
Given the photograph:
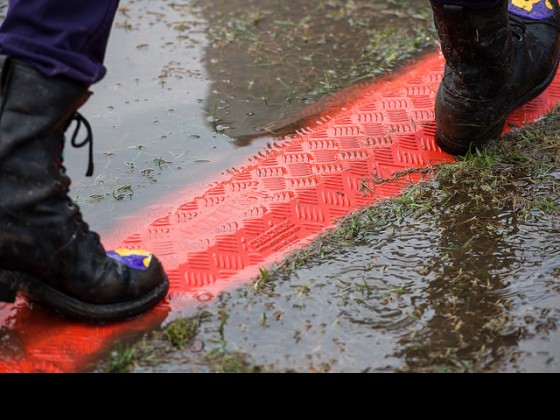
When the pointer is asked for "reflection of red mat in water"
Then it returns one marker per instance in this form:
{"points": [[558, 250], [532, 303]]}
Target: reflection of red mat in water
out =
{"points": [[281, 200]]}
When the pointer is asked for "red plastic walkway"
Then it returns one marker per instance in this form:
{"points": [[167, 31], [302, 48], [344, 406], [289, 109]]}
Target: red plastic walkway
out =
{"points": [[279, 201]]}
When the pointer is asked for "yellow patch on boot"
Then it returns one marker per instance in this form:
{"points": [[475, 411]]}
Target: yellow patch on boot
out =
{"points": [[528, 4]]}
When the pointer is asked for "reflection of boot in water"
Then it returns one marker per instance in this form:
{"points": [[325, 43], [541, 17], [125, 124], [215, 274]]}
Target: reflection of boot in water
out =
{"points": [[54, 256], [469, 314], [495, 62]]}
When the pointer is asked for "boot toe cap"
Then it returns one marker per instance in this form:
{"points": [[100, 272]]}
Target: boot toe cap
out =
{"points": [[145, 270]]}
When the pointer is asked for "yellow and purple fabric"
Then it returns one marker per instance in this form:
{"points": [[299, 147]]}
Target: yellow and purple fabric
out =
{"points": [[531, 9], [136, 259]]}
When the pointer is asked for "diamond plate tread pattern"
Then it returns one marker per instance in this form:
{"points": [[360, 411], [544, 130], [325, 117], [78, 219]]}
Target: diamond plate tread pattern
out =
{"points": [[294, 190]]}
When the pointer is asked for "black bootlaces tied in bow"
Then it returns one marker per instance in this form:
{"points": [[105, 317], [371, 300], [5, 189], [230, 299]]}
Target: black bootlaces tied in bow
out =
{"points": [[80, 119]]}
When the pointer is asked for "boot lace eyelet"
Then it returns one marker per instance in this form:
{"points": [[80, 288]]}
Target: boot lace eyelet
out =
{"points": [[518, 29], [517, 36]]}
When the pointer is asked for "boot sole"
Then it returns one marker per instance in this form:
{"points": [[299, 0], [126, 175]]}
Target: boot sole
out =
{"points": [[11, 282], [454, 148]]}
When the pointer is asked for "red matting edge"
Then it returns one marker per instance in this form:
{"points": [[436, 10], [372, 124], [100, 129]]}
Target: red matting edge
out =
{"points": [[280, 201]]}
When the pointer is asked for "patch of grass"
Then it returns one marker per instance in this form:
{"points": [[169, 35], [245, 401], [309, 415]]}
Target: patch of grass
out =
{"points": [[154, 348], [500, 175], [183, 330], [122, 360], [264, 281], [546, 205], [235, 362]]}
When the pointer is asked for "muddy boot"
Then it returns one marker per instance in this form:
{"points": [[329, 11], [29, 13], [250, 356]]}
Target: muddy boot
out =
{"points": [[496, 61], [46, 249]]}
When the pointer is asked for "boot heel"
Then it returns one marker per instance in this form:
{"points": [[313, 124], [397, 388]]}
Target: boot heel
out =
{"points": [[8, 287]]}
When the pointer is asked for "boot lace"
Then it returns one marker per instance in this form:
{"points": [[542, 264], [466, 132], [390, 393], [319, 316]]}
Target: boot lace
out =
{"points": [[87, 141]]}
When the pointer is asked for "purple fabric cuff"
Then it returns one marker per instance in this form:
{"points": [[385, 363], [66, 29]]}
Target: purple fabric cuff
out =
{"points": [[66, 38]]}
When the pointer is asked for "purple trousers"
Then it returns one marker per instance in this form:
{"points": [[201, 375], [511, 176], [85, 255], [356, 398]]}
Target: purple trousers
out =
{"points": [[59, 37]]}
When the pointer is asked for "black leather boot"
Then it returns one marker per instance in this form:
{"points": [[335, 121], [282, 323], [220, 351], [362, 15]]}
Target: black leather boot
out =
{"points": [[495, 62], [46, 249]]}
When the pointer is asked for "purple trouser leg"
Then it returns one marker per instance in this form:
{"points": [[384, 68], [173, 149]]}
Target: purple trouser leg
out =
{"points": [[60, 37]]}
